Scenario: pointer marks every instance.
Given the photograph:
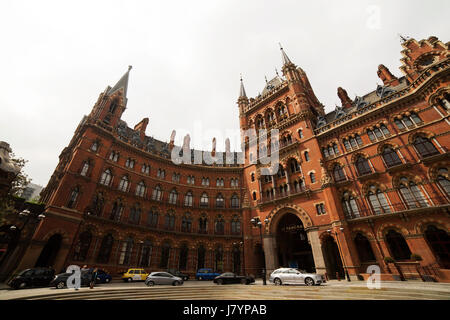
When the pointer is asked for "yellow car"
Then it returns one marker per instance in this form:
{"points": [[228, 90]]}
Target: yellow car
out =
{"points": [[135, 274]]}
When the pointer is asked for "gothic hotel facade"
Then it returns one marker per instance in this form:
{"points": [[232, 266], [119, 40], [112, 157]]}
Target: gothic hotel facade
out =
{"points": [[367, 181]]}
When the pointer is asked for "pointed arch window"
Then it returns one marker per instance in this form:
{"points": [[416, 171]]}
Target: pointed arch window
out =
{"points": [[140, 189], [125, 251], [169, 221], [85, 168], [412, 194], [106, 177], [152, 218], [390, 157], [204, 200], [234, 201], [220, 201], [219, 225], [113, 106], [105, 249], [82, 247], [156, 194], [235, 225], [397, 245], [182, 264], [123, 184], [338, 173], [94, 146], [186, 223], [203, 225], [425, 148], [295, 167], [173, 196], [188, 199], [97, 204], [443, 181], [116, 211], [135, 214], [73, 197], [146, 253], [378, 200], [312, 177], [306, 156], [350, 206], [365, 252], [165, 254], [363, 166]]}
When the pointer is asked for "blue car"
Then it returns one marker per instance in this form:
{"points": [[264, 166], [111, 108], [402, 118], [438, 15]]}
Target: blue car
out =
{"points": [[103, 276], [206, 274]]}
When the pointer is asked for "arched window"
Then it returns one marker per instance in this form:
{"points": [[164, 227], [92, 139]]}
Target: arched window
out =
{"points": [[125, 252], [378, 200], [235, 225], [203, 224], [412, 194], [186, 223], [188, 199], [116, 211], [106, 177], [294, 166], [135, 214], [365, 252], [85, 168], [397, 245], [140, 189], [201, 253], [300, 133], [390, 157], [220, 201], [204, 200], [123, 184], [306, 156], [94, 146], [439, 241], [338, 173], [350, 206], [73, 197], [165, 253], [169, 221], [113, 106], [182, 264], [236, 259], [254, 195], [105, 249], [424, 147], [156, 195], [219, 225], [234, 201], [82, 247], [443, 180], [219, 259], [152, 218], [97, 204], [363, 167], [173, 196], [312, 177], [146, 253]]}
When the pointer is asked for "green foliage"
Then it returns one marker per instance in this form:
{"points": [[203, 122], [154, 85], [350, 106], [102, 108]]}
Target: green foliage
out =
{"points": [[416, 257], [22, 179]]}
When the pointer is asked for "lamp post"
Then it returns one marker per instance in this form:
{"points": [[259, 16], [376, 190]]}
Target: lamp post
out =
{"points": [[256, 222], [27, 215], [340, 251]]}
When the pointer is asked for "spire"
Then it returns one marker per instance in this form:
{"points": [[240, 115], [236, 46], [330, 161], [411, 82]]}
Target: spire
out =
{"points": [[242, 93], [284, 56], [122, 83]]}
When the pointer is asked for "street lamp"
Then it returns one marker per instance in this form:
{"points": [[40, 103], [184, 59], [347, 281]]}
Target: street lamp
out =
{"points": [[256, 222], [340, 251]]}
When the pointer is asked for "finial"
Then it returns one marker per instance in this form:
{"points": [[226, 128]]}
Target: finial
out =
{"points": [[276, 71], [241, 76], [265, 78], [402, 38], [130, 67], [281, 48]]}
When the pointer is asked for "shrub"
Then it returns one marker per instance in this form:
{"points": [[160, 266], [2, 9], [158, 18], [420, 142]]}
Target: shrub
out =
{"points": [[416, 257]]}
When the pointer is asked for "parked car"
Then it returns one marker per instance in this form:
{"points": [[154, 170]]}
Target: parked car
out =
{"points": [[135, 274], [179, 274], [163, 278], [103, 276], [60, 280], [206, 274], [295, 276], [35, 277], [230, 277]]}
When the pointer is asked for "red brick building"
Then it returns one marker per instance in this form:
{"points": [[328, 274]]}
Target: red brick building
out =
{"points": [[364, 182]]}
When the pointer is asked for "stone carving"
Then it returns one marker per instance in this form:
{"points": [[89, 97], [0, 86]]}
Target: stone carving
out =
{"points": [[339, 112], [360, 103], [345, 100], [122, 129], [150, 144], [321, 121], [136, 138], [383, 91], [172, 136], [326, 178]]}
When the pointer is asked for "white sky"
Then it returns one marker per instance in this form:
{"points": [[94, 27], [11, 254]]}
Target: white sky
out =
{"points": [[57, 57]]}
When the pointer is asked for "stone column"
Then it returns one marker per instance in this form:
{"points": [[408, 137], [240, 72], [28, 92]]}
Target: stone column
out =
{"points": [[287, 181], [270, 253], [319, 262]]}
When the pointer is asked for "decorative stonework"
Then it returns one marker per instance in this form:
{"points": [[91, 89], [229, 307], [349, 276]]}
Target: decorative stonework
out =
{"points": [[278, 211]]}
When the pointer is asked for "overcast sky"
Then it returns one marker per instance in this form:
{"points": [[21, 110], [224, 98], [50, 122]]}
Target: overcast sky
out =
{"points": [[58, 56]]}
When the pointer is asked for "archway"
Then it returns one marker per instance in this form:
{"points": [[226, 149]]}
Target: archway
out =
{"points": [[439, 242], [333, 262], [293, 248], [50, 251]]}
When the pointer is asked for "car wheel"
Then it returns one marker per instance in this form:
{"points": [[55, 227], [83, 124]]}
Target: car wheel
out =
{"points": [[107, 280], [129, 279], [219, 281], [244, 281], [200, 278], [277, 282], [309, 281], [150, 283], [22, 285], [185, 279], [176, 283], [60, 285]]}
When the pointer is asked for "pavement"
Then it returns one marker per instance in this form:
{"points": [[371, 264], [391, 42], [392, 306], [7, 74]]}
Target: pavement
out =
{"points": [[207, 290]]}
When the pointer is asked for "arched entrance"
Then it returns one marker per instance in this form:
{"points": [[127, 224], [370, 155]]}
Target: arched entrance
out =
{"points": [[293, 248], [439, 241], [333, 262], [50, 251]]}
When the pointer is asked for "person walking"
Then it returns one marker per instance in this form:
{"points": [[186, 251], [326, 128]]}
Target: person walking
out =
{"points": [[93, 278]]}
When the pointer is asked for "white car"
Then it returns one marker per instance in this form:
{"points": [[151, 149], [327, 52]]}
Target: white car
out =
{"points": [[293, 276]]}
